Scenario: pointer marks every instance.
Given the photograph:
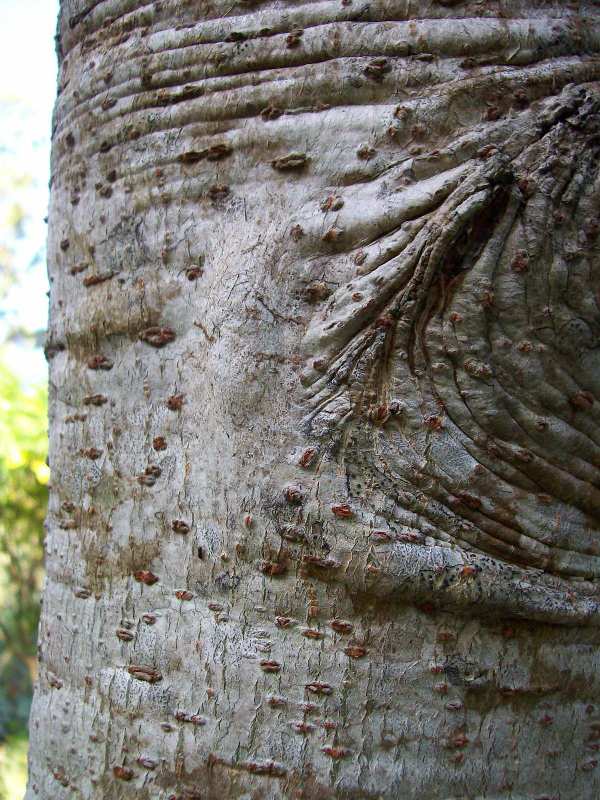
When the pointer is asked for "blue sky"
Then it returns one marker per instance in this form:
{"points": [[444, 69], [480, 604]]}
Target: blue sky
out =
{"points": [[27, 89]]}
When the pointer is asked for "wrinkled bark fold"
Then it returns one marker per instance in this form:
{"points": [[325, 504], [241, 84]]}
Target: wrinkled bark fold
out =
{"points": [[325, 398]]}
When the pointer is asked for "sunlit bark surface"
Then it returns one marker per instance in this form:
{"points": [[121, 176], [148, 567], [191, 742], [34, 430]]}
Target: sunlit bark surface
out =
{"points": [[325, 394]]}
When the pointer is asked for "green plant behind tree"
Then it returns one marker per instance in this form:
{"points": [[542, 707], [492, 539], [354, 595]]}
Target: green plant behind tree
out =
{"points": [[23, 498]]}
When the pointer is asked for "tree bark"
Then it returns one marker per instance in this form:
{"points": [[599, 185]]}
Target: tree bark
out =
{"points": [[325, 398]]}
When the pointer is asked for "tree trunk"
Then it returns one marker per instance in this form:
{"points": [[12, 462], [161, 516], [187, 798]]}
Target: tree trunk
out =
{"points": [[325, 398]]}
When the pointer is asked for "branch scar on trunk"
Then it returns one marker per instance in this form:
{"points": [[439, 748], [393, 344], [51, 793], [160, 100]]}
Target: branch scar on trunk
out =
{"points": [[432, 371]]}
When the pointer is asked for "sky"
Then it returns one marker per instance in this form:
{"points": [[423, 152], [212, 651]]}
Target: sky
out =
{"points": [[27, 90]]}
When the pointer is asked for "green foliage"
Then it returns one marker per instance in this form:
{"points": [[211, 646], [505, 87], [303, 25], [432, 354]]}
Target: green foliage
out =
{"points": [[13, 767], [23, 498]]}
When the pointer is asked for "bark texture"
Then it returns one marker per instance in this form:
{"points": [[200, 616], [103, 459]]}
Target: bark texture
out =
{"points": [[325, 397]]}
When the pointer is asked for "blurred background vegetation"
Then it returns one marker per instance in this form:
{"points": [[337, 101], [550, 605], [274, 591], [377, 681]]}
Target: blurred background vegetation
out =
{"points": [[27, 89], [23, 491]]}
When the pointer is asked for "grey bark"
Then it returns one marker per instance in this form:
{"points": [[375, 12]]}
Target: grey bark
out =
{"points": [[324, 402]]}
